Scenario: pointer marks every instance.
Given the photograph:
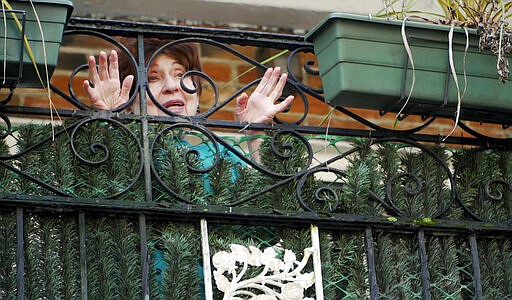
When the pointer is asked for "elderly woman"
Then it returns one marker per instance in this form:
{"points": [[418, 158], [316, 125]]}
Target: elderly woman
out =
{"points": [[105, 90]]}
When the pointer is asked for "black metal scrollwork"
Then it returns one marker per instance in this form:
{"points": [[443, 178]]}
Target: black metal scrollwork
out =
{"points": [[483, 190], [8, 127], [109, 149], [326, 196]]}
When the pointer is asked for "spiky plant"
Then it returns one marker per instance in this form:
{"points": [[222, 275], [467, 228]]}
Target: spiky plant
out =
{"points": [[489, 17], [175, 264], [344, 267]]}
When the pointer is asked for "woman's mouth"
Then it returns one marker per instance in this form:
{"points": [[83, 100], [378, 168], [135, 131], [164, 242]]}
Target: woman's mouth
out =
{"points": [[173, 103], [175, 106]]}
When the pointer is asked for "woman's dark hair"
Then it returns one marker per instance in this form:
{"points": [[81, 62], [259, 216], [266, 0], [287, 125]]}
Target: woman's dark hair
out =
{"points": [[185, 53]]}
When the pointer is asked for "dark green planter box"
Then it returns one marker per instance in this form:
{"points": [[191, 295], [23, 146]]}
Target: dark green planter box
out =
{"points": [[361, 63], [53, 16]]}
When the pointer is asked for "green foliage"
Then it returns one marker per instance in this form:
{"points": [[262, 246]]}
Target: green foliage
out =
{"points": [[344, 268], [477, 172], [53, 162], [70, 253], [8, 257], [121, 155], [175, 159], [113, 259], [282, 154], [495, 261], [398, 267], [225, 190], [51, 258], [450, 268], [173, 168], [361, 180], [176, 260], [419, 184], [435, 194], [35, 161]]}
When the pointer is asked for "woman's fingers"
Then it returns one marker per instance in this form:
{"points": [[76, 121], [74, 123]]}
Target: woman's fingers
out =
{"points": [[280, 107], [93, 72], [113, 67], [103, 87], [87, 88], [263, 83], [270, 84], [278, 89], [125, 90], [241, 105], [103, 66]]}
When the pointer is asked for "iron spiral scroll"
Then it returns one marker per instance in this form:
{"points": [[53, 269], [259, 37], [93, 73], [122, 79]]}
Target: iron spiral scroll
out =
{"points": [[288, 138]]}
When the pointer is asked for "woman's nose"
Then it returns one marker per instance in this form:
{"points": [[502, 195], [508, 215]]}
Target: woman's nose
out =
{"points": [[171, 84]]}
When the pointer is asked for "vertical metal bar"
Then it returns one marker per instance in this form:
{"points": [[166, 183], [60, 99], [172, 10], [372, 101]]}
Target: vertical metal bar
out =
{"points": [[477, 282], [370, 256], [425, 274], [317, 263], [142, 80], [144, 256], [207, 268], [83, 254], [20, 255]]}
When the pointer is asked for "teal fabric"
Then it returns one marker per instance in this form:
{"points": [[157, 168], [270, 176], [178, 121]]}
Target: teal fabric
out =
{"points": [[207, 155]]}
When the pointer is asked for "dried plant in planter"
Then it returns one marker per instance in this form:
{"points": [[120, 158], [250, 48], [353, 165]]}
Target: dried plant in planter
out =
{"points": [[496, 36], [488, 17]]}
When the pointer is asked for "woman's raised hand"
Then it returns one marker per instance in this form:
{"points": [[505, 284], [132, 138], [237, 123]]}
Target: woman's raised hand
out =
{"points": [[103, 87], [261, 106]]}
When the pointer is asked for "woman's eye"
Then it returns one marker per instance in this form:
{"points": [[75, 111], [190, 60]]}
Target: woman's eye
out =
{"points": [[152, 78]]}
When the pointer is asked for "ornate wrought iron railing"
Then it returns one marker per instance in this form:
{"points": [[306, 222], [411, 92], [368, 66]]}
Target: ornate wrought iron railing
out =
{"points": [[107, 204]]}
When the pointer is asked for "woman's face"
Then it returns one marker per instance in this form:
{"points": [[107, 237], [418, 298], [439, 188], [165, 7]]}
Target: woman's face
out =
{"points": [[164, 75]]}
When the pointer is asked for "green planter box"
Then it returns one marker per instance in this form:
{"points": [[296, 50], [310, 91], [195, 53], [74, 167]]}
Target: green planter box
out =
{"points": [[362, 63], [53, 15]]}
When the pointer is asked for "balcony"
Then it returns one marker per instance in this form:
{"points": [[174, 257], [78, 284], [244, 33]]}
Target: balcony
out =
{"points": [[336, 203]]}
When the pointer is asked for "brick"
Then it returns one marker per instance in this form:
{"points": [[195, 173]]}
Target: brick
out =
{"points": [[15, 99], [249, 74], [223, 115], [209, 51], [61, 82], [313, 81], [246, 50], [208, 98], [315, 106], [43, 102], [217, 71]]}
